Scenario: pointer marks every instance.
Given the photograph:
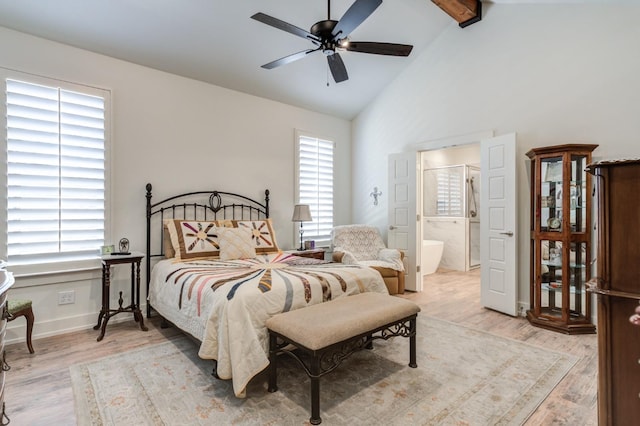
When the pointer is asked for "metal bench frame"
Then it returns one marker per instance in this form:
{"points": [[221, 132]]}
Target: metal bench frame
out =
{"points": [[327, 359]]}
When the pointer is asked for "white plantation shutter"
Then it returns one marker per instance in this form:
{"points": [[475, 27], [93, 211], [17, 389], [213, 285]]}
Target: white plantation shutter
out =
{"points": [[55, 173], [315, 185], [449, 196]]}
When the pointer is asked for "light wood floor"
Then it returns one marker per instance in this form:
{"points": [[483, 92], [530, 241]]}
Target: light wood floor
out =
{"points": [[455, 297], [38, 389]]}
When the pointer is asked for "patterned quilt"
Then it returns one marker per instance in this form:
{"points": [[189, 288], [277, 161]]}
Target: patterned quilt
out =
{"points": [[225, 304]]}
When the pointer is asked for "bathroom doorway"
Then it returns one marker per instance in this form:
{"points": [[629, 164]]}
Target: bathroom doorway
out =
{"points": [[450, 208], [498, 203]]}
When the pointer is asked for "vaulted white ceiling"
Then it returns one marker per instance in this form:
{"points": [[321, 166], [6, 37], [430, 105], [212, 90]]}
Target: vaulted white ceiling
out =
{"points": [[216, 41]]}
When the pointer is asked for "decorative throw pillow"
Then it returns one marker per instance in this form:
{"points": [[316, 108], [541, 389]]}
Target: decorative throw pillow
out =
{"points": [[167, 244], [264, 239], [236, 243], [192, 239], [389, 255], [347, 257]]}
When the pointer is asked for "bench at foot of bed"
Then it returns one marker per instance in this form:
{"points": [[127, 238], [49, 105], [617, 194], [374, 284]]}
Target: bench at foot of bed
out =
{"points": [[330, 332]]}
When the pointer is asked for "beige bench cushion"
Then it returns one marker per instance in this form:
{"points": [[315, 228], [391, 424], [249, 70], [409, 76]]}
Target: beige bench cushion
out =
{"points": [[324, 324]]}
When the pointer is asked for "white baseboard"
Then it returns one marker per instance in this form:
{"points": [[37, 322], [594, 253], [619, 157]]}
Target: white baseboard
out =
{"points": [[17, 330]]}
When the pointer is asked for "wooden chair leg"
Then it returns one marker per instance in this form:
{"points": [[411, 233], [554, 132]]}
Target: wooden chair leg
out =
{"points": [[29, 316], [27, 313]]}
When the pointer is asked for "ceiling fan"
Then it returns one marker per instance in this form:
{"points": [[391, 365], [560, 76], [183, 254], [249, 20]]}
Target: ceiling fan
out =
{"points": [[331, 36]]}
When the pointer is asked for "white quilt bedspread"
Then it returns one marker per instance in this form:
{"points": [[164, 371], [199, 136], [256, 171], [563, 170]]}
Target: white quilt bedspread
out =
{"points": [[225, 304]]}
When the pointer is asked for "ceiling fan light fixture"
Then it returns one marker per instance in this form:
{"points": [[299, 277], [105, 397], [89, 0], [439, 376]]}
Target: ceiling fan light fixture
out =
{"points": [[329, 35], [323, 29]]}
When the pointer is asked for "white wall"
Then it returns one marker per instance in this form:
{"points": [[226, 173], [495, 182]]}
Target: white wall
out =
{"points": [[553, 74], [179, 134], [466, 154]]}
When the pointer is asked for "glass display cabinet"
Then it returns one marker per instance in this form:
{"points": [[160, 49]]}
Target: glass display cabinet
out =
{"points": [[560, 238]]}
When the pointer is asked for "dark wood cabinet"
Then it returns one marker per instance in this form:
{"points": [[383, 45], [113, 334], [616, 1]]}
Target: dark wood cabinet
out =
{"points": [[6, 281], [617, 283], [560, 238]]}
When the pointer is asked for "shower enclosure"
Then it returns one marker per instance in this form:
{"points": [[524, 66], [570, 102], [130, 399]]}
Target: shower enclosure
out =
{"points": [[451, 213]]}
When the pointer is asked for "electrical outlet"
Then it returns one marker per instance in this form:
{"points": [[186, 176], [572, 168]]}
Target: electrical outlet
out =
{"points": [[522, 309], [66, 297]]}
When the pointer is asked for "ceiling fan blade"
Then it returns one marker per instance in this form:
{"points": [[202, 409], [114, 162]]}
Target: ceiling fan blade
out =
{"points": [[288, 59], [354, 16], [284, 26], [338, 70], [392, 49]]}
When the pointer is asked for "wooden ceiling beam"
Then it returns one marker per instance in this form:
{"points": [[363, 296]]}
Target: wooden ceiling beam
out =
{"points": [[465, 12]]}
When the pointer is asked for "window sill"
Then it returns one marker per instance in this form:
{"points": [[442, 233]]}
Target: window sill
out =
{"points": [[35, 280], [37, 275]]}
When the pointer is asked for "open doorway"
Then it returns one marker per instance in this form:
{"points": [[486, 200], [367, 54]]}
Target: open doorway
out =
{"points": [[497, 205], [450, 225]]}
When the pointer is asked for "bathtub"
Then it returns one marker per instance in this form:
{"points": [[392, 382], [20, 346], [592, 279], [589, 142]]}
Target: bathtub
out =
{"points": [[431, 255]]}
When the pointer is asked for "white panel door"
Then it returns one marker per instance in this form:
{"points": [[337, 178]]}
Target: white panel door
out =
{"points": [[498, 242], [403, 219]]}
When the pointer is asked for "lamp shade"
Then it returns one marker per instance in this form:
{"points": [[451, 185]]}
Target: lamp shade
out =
{"points": [[301, 213]]}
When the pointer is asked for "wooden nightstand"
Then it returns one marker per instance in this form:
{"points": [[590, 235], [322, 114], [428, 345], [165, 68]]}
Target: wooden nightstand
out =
{"points": [[313, 254], [106, 312]]}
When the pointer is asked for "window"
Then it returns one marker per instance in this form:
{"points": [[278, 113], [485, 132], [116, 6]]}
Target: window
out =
{"points": [[449, 201], [55, 175], [314, 184], [443, 191]]}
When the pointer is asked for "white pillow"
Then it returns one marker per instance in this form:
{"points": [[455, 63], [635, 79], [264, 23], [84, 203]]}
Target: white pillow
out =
{"points": [[389, 255], [347, 257], [392, 256], [236, 243]]}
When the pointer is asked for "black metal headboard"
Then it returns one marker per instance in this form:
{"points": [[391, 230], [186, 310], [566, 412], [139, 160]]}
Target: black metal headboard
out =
{"points": [[199, 205]]}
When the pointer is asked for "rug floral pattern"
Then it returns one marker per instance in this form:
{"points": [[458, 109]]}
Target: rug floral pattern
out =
{"points": [[464, 377]]}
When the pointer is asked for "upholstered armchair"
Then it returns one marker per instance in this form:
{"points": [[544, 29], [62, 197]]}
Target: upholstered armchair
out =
{"points": [[363, 245]]}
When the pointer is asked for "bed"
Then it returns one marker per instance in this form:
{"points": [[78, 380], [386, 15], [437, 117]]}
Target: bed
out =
{"points": [[215, 270]]}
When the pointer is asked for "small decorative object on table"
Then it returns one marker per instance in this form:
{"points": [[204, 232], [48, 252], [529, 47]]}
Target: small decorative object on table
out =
{"points": [[123, 246], [107, 249]]}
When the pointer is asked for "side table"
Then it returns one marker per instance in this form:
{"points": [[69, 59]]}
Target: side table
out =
{"points": [[313, 254], [106, 312]]}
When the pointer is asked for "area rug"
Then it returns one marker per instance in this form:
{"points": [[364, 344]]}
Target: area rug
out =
{"points": [[464, 377]]}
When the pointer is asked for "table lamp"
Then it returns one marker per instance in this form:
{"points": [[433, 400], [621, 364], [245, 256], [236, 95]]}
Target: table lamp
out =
{"points": [[301, 213]]}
